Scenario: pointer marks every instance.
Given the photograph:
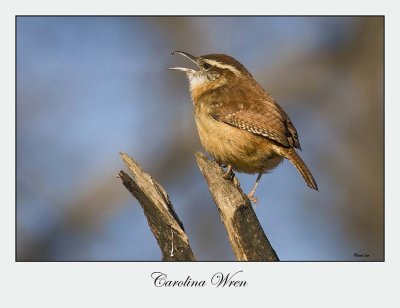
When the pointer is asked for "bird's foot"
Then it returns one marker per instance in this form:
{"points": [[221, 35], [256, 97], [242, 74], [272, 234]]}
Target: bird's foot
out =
{"points": [[228, 175], [251, 197]]}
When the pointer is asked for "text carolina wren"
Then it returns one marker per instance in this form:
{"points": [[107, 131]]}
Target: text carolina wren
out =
{"points": [[238, 122]]}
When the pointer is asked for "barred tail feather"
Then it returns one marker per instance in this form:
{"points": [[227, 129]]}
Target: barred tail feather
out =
{"points": [[302, 167]]}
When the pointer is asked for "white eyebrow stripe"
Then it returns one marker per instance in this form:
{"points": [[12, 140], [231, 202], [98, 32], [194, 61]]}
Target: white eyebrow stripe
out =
{"points": [[221, 65]]}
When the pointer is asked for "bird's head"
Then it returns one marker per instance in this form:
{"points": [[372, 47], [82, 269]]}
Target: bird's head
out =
{"points": [[212, 70]]}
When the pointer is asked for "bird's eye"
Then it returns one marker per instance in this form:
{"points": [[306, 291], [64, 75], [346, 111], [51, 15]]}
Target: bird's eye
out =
{"points": [[206, 66]]}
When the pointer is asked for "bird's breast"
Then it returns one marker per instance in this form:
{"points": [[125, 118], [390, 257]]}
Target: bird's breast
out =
{"points": [[244, 151]]}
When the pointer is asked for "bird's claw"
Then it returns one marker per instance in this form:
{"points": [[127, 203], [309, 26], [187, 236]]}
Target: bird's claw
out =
{"points": [[252, 198], [228, 175]]}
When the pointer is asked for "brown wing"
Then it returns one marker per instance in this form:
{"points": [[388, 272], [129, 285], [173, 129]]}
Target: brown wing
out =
{"points": [[261, 116]]}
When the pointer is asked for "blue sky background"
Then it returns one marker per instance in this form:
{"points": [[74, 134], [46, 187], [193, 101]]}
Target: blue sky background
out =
{"points": [[90, 87]]}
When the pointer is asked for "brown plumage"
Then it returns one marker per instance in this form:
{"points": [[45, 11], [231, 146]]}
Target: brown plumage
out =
{"points": [[238, 122]]}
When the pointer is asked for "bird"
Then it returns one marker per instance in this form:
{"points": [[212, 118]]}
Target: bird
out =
{"points": [[239, 123]]}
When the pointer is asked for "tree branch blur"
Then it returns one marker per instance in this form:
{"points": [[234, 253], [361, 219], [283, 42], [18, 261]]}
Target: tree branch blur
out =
{"points": [[163, 221], [247, 238]]}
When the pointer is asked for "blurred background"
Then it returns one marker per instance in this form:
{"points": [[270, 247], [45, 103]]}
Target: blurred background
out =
{"points": [[90, 87]]}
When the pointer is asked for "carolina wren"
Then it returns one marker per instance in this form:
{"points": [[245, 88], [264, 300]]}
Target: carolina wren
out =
{"points": [[238, 122]]}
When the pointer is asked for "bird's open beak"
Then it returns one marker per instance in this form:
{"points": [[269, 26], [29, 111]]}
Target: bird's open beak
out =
{"points": [[184, 69]]}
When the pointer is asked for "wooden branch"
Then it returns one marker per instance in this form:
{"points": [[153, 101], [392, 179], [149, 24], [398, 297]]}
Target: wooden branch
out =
{"points": [[162, 219], [247, 238]]}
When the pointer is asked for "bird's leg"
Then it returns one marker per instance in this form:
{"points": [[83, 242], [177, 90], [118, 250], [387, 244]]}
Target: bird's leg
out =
{"points": [[229, 173], [253, 190]]}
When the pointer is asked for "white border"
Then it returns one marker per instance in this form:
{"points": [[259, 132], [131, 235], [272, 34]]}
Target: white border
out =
{"points": [[129, 284]]}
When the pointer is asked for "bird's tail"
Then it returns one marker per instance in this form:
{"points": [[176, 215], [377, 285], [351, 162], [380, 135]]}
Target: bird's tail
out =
{"points": [[296, 160]]}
